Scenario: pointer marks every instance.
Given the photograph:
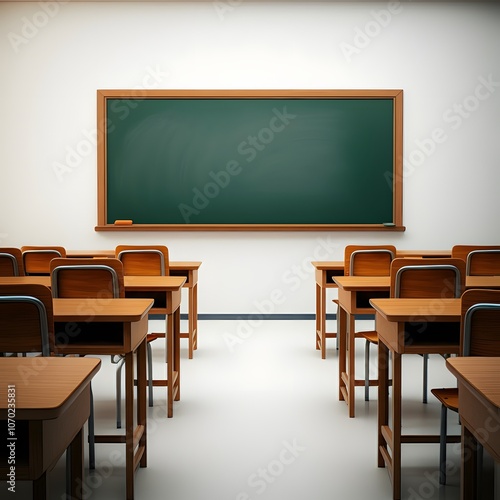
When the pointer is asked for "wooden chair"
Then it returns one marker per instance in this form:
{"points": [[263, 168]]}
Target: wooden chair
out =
{"points": [[27, 323], [483, 263], [145, 260], [11, 262], [368, 260], [36, 259], [88, 278], [480, 336], [480, 260], [427, 278], [26, 319]]}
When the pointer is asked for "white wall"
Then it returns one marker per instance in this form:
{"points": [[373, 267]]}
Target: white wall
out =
{"points": [[55, 55]]}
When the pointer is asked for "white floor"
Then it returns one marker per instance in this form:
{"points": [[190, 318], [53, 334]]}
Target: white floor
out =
{"points": [[259, 418]]}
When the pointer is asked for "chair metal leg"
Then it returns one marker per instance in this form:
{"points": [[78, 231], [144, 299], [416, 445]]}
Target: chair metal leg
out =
{"points": [[121, 362], [91, 432], [442, 445], [426, 364], [367, 370]]}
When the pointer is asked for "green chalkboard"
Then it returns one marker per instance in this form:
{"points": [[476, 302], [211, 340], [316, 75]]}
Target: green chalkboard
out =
{"points": [[258, 162]]}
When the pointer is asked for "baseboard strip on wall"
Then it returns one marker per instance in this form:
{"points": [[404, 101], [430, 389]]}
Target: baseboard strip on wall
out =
{"points": [[256, 316]]}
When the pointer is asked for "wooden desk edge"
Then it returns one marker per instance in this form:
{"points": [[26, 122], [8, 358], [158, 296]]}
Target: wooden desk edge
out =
{"points": [[178, 264], [59, 316], [417, 313], [453, 365], [53, 412]]}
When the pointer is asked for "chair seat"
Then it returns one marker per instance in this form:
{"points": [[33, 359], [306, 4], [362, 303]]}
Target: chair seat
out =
{"points": [[447, 397], [370, 336]]}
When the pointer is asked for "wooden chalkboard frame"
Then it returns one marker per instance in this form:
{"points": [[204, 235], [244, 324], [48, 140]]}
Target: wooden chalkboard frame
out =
{"points": [[397, 174]]}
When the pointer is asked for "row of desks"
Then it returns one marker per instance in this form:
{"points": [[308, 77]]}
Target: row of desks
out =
{"points": [[356, 295], [130, 319], [365, 295], [186, 269], [326, 271]]}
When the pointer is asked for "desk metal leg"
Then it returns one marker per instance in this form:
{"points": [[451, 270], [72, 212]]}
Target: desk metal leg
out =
{"points": [[192, 333], [383, 402], [75, 449], [320, 319], [469, 458], [193, 319], [396, 425], [135, 437], [129, 424], [40, 487], [141, 403], [173, 360], [342, 335], [389, 440], [351, 375], [321, 333], [177, 352]]}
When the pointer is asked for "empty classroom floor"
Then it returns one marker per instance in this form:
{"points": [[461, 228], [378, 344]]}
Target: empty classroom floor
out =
{"points": [[259, 418]]}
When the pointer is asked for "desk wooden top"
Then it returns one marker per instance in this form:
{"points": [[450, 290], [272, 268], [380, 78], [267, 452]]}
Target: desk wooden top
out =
{"points": [[423, 253], [44, 386], [184, 264], [174, 264], [359, 283], [29, 280], [326, 265], [482, 282], [482, 374], [147, 283], [418, 309], [112, 310], [351, 283]]}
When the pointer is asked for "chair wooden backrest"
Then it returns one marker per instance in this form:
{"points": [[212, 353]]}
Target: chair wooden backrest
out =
{"points": [[143, 260], [26, 319], [368, 260], [86, 278], [36, 259], [427, 278], [11, 262], [483, 263], [480, 322], [480, 260], [146, 260]]}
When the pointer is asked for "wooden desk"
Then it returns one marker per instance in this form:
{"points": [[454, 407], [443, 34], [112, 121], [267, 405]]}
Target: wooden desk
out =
{"points": [[326, 271], [188, 269], [125, 334], [171, 286], [479, 409], [354, 294], [408, 326], [51, 399]]}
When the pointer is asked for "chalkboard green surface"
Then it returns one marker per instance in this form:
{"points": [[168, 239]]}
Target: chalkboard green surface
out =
{"points": [[244, 162]]}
